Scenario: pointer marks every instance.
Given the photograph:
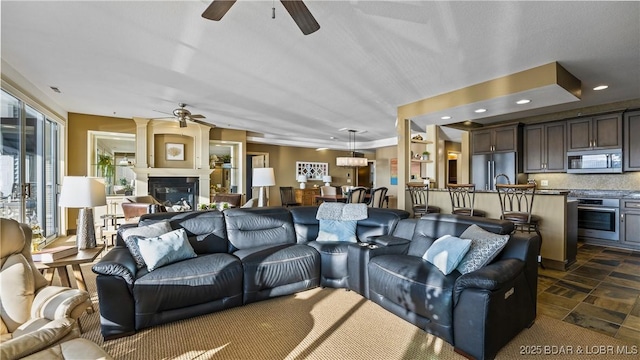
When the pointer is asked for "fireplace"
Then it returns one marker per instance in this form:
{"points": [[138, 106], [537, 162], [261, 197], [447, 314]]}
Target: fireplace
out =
{"points": [[174, 190]]}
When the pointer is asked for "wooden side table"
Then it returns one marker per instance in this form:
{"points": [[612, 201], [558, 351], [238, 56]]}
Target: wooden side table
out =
{"points": [[82, 257]]}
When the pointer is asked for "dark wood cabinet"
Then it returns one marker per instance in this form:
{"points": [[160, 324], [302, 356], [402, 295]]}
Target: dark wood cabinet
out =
{"points": [[544, 147], [630, 223], [598, 132], [496, 140], [631, 149]]}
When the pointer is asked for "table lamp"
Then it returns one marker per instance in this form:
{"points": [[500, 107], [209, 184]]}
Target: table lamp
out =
{"points": [[327, 180], [83, 193], [302, 179], [263, 177]]}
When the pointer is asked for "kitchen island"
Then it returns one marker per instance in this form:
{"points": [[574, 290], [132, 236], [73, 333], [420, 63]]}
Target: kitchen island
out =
{"points": [[558, 224]]}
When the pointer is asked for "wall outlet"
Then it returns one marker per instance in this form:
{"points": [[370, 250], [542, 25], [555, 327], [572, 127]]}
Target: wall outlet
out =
{"points": [[349, 181], [544, 182]]}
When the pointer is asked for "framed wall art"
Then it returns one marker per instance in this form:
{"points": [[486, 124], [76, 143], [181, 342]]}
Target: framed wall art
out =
{"points": [[312, 170], [174, 151]]}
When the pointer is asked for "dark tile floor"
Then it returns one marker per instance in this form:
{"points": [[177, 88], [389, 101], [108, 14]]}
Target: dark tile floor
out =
{"points": [[601, 292]]}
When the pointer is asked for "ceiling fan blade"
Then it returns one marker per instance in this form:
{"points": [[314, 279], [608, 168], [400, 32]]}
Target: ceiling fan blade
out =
{"points": [[217, 9], [301, 15], [197, 116]]}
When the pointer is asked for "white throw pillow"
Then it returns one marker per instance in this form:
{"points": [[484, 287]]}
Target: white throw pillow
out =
{"points": [[447, 252], [131, 236], [165, 249]]}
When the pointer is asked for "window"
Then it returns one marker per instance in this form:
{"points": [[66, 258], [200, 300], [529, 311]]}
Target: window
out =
{"points": [[28, 165]]}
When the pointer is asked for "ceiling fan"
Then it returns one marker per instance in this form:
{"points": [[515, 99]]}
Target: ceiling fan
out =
{"points": [[296, 8], [182, 115]]}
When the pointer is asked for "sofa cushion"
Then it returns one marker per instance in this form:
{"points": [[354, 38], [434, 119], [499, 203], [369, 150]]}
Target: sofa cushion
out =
{"points": [[165, 249], [337, 230], [485, 246], [205, 229], [131, 235], [254, 227], [273, 266], [447, 252], [200, 280], [413, 284]]}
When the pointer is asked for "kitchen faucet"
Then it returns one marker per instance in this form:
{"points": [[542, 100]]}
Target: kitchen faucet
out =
{"points": [[495, 179]]}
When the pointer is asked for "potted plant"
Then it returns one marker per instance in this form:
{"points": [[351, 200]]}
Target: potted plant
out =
{"points": [[226, 160], [425, 155], [105, 167]]}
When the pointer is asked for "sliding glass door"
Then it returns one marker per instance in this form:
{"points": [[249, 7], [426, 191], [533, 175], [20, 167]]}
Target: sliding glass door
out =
{"points": [[28, 165]]}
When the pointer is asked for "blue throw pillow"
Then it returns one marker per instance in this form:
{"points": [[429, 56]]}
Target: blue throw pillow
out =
{"points": [[447, 252], [165, 249], [337, 230]]}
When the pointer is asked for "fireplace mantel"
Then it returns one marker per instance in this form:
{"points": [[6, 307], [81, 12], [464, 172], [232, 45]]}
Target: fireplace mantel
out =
{"points": [[159, 172], [145, 168]]}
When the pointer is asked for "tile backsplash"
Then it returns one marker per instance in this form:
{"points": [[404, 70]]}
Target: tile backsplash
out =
{"points": [[625, 181]]}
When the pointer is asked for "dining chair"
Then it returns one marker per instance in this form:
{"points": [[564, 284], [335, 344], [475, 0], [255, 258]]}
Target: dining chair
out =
{"points": [[516, 204], [328, 190], [463, 197], [378, 197], [357, 195], [288, 197], [419, 194]]}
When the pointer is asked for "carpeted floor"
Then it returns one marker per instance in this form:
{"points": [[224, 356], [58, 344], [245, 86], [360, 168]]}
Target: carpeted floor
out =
{"points": [[332, 324]]}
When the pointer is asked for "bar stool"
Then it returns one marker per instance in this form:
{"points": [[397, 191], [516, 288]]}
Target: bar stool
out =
{"points": [[463, 197], [420, 199], [516, 203]]}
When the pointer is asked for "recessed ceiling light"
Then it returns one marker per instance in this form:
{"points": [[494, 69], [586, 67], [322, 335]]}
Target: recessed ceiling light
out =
{"points": [[523, 101], [600, 87], [447, 117], [480, 110]]}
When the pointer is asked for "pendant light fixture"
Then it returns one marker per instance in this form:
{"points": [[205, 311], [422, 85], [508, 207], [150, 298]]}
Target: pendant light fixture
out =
{"points": [[352, 161]]}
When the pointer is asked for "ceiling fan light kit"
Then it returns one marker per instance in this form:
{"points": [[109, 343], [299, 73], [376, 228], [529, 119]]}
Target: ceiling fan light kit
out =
{"points": [[296, 8], [182, 115]]}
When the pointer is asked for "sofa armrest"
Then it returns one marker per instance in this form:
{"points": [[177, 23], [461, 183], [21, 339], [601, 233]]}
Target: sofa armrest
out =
{"points": [[37, 340], [57, 302], [390, 240], [117, 262], [491, 277]]}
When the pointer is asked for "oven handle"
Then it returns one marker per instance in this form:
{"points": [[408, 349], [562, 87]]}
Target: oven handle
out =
{"points": [[611, 210]]}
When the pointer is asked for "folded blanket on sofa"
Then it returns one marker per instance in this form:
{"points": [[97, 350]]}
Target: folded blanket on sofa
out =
{"points": [[341, 211]]}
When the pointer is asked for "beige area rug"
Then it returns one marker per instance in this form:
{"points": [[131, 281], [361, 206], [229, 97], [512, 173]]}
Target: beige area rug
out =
{"points": [[330, 324]]}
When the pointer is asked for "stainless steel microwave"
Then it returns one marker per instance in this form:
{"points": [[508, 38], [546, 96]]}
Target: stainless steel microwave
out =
{"points": [[594, 161]]}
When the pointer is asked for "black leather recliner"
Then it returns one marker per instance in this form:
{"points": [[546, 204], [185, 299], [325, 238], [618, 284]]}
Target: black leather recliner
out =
{"points": [[265, 242], [132, 299], [478, 312]]}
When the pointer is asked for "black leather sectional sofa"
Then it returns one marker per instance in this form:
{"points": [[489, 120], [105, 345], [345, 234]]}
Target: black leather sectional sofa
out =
{"points": [[248, 255]]}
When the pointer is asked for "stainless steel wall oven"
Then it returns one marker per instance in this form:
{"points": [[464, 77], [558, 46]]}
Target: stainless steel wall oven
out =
{"points": [[599, 218]]}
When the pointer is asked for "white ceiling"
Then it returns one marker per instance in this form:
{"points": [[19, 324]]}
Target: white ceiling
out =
{"points": [[250, 72]]}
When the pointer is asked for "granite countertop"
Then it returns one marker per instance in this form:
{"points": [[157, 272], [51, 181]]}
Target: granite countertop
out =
{"points": [[538, 192], [578, 193]]}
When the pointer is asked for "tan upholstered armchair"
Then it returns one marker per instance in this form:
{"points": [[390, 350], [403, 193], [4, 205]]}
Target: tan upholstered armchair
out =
{"points": [[135, 206], [34, 315]]}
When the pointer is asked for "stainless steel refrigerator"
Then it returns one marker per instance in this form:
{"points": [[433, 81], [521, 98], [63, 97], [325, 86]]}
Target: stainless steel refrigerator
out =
{"points": [[485, 168]]}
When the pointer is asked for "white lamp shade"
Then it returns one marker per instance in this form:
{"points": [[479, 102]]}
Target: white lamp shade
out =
{"points": [[263, 177], [302, 178], [326, 179], [82, 192], [351, 161]]}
